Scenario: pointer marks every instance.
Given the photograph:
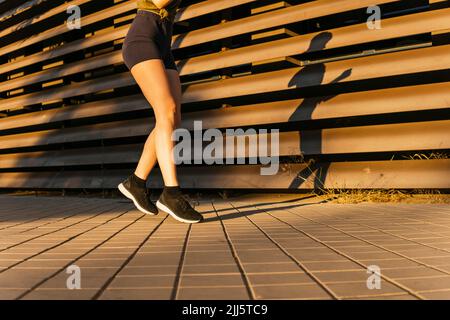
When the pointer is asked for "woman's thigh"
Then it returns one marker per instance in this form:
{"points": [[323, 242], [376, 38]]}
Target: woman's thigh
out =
{"points": [[157, 86]]}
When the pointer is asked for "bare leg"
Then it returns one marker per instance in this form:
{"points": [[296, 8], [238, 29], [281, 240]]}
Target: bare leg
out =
{"points": [[148, 157], [162, 89]]}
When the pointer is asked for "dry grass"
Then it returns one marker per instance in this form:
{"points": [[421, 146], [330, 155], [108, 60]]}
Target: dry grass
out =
{"points": [[427, 156], [340, 195], [346, 196], [358, 196]]}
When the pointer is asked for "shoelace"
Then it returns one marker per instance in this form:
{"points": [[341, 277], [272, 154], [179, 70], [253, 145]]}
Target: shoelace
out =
{"points": [[187, 201], [147, 194]]}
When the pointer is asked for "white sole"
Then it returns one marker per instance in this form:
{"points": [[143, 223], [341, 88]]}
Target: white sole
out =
{"points": [[167, 210], [130, 196]]}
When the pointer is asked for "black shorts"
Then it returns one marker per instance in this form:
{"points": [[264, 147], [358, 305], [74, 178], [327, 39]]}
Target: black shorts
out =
{"points": [[149, 37]]}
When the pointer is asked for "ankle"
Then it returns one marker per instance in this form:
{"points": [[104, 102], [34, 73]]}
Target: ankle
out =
{"points": [[172, 190], [141, 183]]}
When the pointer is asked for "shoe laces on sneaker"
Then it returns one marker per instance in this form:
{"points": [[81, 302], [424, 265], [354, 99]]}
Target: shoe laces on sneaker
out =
{"points": [[147, 194], [187, 202]]}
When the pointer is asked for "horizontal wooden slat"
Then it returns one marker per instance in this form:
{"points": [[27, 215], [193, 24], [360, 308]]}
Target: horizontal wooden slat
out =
{"points": [[382, 92], [327, 39], [411, 98], [292, 14], [68, 48], [57, 31], [378, 174], [357, 34], [50, 13], [20, 6], [111, 12], [111, 35], [308, 13], [380, 138], [209, 6], [392, 64]]}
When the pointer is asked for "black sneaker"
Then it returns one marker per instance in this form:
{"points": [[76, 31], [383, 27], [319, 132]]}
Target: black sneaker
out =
{"points": [[178, 207], [139, 196]]}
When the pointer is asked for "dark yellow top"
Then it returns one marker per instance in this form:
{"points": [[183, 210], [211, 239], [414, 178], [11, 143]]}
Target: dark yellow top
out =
{"points": [[167, 12]]}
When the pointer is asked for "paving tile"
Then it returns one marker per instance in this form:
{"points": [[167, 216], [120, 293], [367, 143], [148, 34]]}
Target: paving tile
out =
{"points": [[152, 259], [373, 255], [62, 294], [421, 253], [280, 278], [137, 294], [209, 268], [163, 249], [386, 297], [149, 270], [359, 249], [11, 294], [90, 278], [271, 267], [435, 261], [390, 263], [15, 279], [100, 263], [436, 295], [38, 263], [200, 258], [342, 276], [415, 272], [211, 280], [143, 281], [8, 255], [332, 265], [353, 289], [8, 263], [429, 283], [219, 293], [296, 291], [445, 268], [262, 256], [316, 257]]}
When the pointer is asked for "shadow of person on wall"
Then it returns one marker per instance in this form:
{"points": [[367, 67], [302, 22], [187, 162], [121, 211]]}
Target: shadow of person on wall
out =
{"points": [[311, 140]]}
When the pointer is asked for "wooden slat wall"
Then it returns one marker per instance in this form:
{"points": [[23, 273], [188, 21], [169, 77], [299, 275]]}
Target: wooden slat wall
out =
{"points": [[356, 107]]}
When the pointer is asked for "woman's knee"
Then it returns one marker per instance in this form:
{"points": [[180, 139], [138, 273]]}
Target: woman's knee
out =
{"points": [[167, 116]]}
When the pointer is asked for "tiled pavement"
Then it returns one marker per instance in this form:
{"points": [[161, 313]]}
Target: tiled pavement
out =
{"points": [[248, 248]]}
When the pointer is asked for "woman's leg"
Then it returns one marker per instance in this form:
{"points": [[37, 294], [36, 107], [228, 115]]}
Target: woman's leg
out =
{"points": [[175, 87], [148, 157], [162, 89]]}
